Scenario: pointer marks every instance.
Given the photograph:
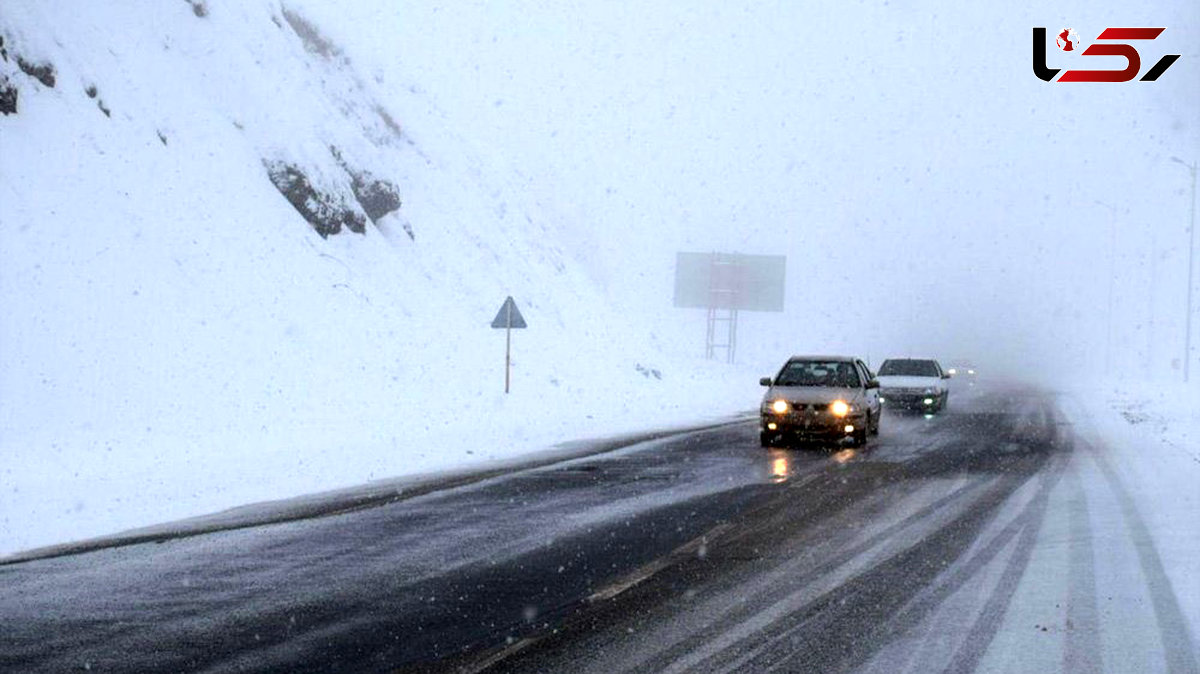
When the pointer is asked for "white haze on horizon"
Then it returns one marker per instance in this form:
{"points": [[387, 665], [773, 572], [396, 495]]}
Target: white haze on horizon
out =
{"points": [[931, 194]]}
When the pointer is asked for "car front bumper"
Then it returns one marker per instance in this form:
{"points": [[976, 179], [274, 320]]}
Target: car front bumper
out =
{"points": [[822, 425], [912, 400]]}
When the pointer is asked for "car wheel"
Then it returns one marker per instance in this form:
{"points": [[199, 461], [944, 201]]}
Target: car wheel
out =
{"points": [[860, 436], [764, 438], [872, 428]]}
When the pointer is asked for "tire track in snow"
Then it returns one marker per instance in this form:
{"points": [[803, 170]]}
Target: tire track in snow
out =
{"points": [[1179, 647], [1081, 648], [1025, 527], [872, 591], [750, 620], [823, 612]]}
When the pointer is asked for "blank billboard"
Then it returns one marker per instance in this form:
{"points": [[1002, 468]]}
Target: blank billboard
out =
{"points": [[729, 281]]}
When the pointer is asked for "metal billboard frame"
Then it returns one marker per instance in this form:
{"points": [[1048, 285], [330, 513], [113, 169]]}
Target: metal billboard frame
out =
{"points": [[724, 284]]}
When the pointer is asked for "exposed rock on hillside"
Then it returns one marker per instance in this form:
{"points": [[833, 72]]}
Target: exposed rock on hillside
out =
{"points": [[198, 8], [377, 197], [326, 212], [42, 72], [8, 97], [312, 38]]}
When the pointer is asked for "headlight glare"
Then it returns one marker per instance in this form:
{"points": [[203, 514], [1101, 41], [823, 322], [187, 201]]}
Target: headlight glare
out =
{"points": [[839, 408], [779, 406]]}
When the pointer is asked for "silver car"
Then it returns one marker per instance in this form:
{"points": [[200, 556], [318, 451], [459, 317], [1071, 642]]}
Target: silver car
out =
{"points": [[914, 384], [832, 398]]}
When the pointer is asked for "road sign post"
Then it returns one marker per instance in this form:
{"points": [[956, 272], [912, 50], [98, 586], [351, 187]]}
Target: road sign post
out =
{"points": [[509, 317]]}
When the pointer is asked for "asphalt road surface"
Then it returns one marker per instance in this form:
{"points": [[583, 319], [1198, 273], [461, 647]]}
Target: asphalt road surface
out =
{"points": [[958, 543]]}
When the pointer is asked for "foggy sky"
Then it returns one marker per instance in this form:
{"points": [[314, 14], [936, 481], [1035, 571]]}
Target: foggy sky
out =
{"points": [[931, 194]]}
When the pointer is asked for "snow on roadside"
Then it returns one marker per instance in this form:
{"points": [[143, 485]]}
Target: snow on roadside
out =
{"points": [[99, 485], [177, 340], [1150, 433]]}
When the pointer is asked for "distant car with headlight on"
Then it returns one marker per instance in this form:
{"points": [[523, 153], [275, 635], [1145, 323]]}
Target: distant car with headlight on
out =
{"points": [[914, 384], [831, 398], [963, 371]]}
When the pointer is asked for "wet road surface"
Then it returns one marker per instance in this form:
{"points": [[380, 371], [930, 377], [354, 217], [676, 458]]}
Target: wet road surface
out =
{"points": [[927, 550]]}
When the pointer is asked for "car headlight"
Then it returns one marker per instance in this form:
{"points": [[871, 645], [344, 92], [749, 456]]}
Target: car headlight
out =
{"points": [[839, 408], [779, 406]]}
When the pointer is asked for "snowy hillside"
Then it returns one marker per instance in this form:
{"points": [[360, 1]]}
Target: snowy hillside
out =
{"points": [[211, 297]]}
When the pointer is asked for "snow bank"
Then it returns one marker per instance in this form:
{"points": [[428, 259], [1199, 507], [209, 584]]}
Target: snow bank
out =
{"points": [[178, 339], [1150, 435]]}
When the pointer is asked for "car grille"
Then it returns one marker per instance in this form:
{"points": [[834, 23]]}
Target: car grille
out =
{"points": [[903, 392], [816, 407]]}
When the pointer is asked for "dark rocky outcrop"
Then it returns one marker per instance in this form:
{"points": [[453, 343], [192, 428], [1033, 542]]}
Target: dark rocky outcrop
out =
{"points": [[327, 213], [42, 72], [92, 92], [8, 97], [198, 8], [377, 197]]}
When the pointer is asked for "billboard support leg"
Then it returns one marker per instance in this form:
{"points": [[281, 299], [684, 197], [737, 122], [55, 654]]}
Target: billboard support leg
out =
{"points": [[729, 353]]}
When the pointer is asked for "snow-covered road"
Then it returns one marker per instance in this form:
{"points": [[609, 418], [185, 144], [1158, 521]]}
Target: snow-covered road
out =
{"points": [[1025, 531], [1021, 531]]}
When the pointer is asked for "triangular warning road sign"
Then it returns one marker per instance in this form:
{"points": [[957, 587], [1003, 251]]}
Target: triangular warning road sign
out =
{"points": [[509, 312]]}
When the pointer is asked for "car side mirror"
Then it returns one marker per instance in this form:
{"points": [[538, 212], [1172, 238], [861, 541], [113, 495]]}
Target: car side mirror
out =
{"points": [[765, 381], [873, 383]]}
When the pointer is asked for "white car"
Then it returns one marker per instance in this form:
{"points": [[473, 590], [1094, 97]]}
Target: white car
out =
{"points": [[913, 384]]}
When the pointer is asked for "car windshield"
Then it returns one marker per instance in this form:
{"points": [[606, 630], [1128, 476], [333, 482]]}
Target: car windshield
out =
{"points": [[818, 373], [909, 368]]}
